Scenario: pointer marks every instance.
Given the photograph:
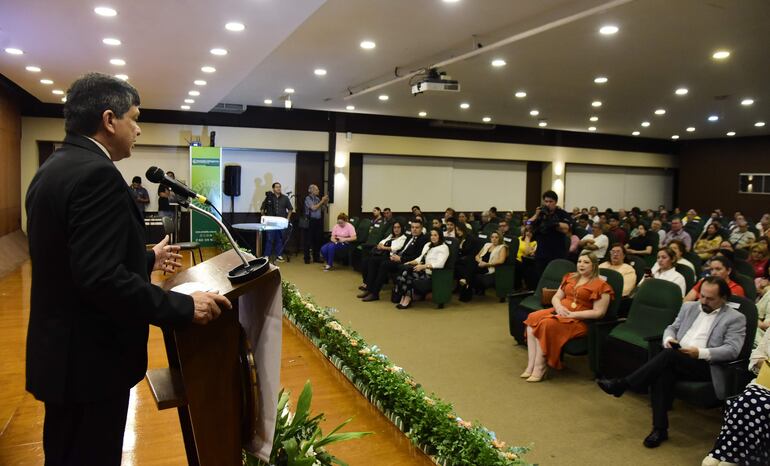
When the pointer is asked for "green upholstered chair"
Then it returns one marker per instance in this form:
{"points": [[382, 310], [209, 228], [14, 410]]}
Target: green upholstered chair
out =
{"points": [[747, 283], [362, 249], [623, 345], [741, 254], [695, 260], [442, 280], [590, 343], [505, 274], [362, 234], [654, 240], [688, 274], [742, 267], [639, 265]]}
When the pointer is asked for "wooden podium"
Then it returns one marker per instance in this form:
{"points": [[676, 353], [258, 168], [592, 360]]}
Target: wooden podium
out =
{"points": [[207, 380]]}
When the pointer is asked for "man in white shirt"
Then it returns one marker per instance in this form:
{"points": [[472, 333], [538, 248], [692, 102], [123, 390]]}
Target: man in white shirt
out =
{"points": [[657, 227], [705, 333], [595, 241]]}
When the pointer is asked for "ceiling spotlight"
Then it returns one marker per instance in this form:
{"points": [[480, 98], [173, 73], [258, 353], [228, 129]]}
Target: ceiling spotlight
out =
{"points": [[645, 124], [486, 119], [759, 124], [465, 105], [189, 101], [660, 111], [33, 69], [594, 118], [383, 97], [681, 91], [713, 118], [289, 90], [534, 112], [498, 62], [608, 30], [194, 93], [350, 107], [268, 102], [184, 107], [747, 102], [592, 128], [422, 114], [64, 99], [123, 77], [720, 54], [690, 129], [520, 94], [105, 11], [47, 82], [319, 72], [635, 133], [368, 44], [600, 79], [676, 136], [199, 82], [14, 51], [235, 27], [111, 41], [542, 123], [451, 1], [730, 133], [219, 52], [118, 62], [57, 92], [208, 69], [596, 103]]}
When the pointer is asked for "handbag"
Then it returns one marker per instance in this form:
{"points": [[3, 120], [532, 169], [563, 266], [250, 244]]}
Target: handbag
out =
{"points": [[547, 296], [763, 378]]}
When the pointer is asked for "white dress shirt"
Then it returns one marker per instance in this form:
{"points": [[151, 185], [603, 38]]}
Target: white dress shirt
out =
{"points": [[698, 335], [100, 146]]}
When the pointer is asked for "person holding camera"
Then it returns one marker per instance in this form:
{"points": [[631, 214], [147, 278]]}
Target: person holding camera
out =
{"points": [[549, 226], [313, 232], [278, 205]]}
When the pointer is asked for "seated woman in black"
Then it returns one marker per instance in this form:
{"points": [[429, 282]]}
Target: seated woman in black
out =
{"points": [[640, 244], [466, 250], [493, 253], [381, 252]]}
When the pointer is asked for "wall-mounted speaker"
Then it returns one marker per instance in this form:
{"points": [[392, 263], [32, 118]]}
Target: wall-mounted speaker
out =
{"points": [[232, 180]]}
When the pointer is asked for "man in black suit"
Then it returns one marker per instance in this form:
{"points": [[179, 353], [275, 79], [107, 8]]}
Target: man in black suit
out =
{"points": [[410, 251], [92, 300]]}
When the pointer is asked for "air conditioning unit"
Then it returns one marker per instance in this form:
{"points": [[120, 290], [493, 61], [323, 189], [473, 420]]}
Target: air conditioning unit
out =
{"points": [[229, 108], [461, 125]]}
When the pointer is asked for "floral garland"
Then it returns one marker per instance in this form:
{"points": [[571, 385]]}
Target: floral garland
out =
{"points": [[428, 421]]}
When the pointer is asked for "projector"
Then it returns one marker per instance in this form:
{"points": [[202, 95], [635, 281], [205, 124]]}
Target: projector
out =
{"points": [[435, 81]]}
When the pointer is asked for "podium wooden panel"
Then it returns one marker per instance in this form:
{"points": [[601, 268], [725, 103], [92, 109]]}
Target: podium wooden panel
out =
{"points": [[204, 378]]}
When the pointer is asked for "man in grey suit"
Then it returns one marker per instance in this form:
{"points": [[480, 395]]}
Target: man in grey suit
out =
{"points": [[706, 333]]}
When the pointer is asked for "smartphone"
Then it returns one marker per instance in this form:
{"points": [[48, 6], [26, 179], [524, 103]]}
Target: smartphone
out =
{"points": [[675, 345], [648, 272]]}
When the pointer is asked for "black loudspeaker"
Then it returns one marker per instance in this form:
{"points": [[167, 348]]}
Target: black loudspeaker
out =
{"points": [[232, 180]]}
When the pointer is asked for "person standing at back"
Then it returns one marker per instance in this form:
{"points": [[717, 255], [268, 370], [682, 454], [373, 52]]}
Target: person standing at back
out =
{"points": [[312, 236], [91, 300], [278, 205], [549, 225], [139, 194]]}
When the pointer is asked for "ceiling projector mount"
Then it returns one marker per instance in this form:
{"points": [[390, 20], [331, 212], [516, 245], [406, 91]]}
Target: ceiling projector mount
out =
{"points": [[433, 80]]}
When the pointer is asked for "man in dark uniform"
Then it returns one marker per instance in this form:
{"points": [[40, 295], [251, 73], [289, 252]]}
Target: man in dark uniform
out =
{"points": [[549, 226]]}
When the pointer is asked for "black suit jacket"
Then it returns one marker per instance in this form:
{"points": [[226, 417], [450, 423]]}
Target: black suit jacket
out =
{"points": [[412, 249], [91, 299]]}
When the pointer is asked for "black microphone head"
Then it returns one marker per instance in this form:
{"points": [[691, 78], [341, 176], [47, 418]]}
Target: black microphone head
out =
{"points": [[155, 174]]}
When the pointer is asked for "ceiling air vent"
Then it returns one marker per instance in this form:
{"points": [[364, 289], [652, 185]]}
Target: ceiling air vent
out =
{"points": [[461, 125], [229, 108]]}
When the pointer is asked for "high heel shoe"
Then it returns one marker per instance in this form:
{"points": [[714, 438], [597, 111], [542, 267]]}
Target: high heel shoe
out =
{"points": [[401, 306], [526, 375], [535, 379]]}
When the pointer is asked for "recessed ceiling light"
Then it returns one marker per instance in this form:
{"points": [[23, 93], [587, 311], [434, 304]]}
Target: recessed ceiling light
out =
{"points": [[600, 79], [350, 107], [486, 119], [268, 101], [596, 103], [592, 128], [383, 97], [105, 11], [57, 92], [235, 27], [747, 102], [542, 124], [218, 51], [184, 107], [520, 94], [690, 129], [368, 44], [208, 69], [534, 112], [194, 93], [33, 69], [289, 90], [759, 124], [123, 77], [422, 114], [713, 118], [47, 82], [594, 118], [731, 133], [118, 62], [635, 133], [451, 1], [465, 105], [720, 54], [608, 30], [64, 99], [645, 124], [14, 51], [319, 72], [199, 82], [660, 111], [111, 41], [189, 101], [681, 91], [676, 136], [498, 62]]}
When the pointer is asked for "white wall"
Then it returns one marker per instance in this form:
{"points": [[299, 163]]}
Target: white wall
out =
{"points": [[175, 159], [259, 170], [616, 187]]}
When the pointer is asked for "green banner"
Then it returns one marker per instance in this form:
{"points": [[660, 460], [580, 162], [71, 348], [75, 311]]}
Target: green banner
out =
{"points": [[205, 179]]}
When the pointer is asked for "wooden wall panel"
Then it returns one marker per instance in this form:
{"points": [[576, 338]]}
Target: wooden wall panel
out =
{"points": [[10, 164]]}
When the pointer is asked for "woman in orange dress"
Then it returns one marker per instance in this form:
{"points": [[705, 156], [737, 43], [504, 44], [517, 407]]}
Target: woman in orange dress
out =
{"points": [[582, 295]]}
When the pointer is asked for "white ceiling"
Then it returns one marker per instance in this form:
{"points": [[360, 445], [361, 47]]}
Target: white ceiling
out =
{"points": [[553, 51]]}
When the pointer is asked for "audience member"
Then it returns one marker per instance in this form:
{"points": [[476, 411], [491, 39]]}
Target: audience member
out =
{"points": [[618, 264], [415, 277], [450, 226], [763, 225], [377, 218], [549, 224], [639, 245], [279, 205], [741, 237], [381, 253], [618, 233], [164, 204], [593, 212], [677, 232], [596, 241], [679, 249], [708, 244], [758, 260], [664, 269], [462, 218], [436, 223], [387, 214], [525, 258], [763, 316], [312, 236], [416, 211], [582, 295], [343, 233], [722, 268], [705, 335], [657, 227], [140, 195], [449, 213], [492, 254]]}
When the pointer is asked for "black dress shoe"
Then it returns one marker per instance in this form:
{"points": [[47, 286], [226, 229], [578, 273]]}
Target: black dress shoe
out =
{"points": [[656, 437], [614, 387], [371, 297], [401, 306]]}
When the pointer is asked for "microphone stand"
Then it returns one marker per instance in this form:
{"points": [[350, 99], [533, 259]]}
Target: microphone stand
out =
{"points": [[248, 269]]}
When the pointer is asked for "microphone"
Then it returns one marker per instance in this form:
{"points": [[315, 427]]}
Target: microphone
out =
{"points": [[157, 175]]}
